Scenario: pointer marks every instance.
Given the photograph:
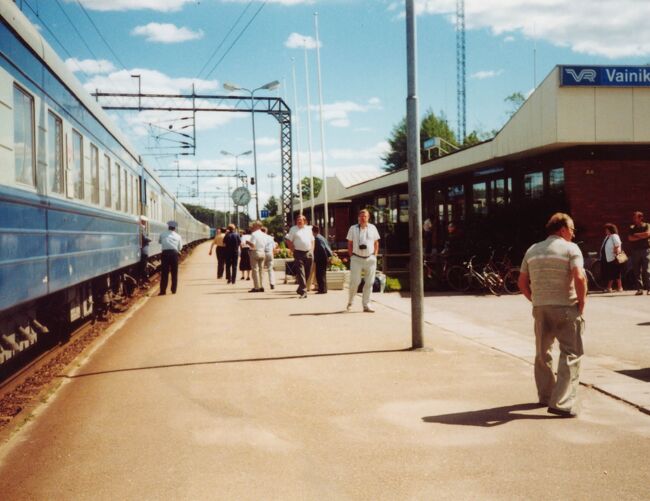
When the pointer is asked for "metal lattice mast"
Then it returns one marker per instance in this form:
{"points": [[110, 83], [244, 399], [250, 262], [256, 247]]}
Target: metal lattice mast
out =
{"points": [[461, 106]]}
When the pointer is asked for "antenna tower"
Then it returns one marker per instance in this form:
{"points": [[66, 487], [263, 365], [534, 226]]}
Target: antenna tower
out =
{"points": [[460, 69]]}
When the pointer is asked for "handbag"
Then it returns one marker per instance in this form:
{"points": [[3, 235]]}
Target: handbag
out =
{"points": [[621, 257]]}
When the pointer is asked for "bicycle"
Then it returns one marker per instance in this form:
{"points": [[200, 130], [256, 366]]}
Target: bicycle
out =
{"points": [[511, 281], [462, 277]]}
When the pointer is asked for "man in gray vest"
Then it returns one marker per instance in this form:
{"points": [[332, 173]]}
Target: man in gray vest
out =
{"points": [[553, 279]]}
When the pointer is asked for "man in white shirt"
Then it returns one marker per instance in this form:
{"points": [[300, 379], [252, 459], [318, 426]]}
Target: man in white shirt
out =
{"points": [[269, 249], [363, 247], [172, 244], [257, 243], [301, 242]]}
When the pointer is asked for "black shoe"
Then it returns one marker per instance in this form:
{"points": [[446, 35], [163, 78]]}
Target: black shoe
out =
{"points": [[161, 293], [272, 286], [254, 290], [260, 290], [248, 278], [321, 292], [561, 412]]}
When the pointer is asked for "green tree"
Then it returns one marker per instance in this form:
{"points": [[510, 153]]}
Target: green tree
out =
{"points": [[305, 186], [514, 101], [431, 126], [272, 206]]}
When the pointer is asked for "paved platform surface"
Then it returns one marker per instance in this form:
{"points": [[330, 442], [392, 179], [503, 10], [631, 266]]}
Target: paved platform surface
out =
{"points": [[215, 393]]}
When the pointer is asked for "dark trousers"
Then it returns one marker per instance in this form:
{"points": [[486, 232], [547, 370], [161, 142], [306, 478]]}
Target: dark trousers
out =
{"points": [[321, 269], [640, 262], [221, 261], [169, 264], [230, 261], [142, 268], [303, 260]]}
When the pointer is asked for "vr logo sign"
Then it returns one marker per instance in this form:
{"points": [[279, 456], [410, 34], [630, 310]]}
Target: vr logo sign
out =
{"points": [[605, 76]]}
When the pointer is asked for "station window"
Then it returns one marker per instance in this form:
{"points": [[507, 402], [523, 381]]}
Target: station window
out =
{"points": [[403, 208], [54, 153], [456, 203], [382, 209], [77, 165], [556, 180], [479, 195], [24, 158], [497, 191], [534, 185], [94, 173], [107, 181]]}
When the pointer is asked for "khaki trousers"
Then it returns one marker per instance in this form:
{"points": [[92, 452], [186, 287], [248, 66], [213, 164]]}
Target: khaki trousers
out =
{"points": [[257, 265], [564, 324]]}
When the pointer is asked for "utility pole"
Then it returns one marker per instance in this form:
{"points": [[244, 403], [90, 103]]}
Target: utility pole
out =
{"points": [[415, 189]]}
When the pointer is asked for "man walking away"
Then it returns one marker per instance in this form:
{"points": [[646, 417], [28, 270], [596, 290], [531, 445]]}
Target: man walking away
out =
{"points": [[221, 249], [269, 249], [363, 247], [172, 244], [256, 252], [322, 253], [300, 240], [232, 242], [553, 279], [639, 238]]}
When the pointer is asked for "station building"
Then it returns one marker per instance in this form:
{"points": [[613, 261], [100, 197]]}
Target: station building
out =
{"points": [[580, 144]]}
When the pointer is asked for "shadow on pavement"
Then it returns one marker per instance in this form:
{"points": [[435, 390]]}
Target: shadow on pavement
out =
{"points": [[319, 313], [237, 361], [641, 374], [489, 417]]}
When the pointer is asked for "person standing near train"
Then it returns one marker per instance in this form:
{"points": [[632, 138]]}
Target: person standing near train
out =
{"points": [[172, 244]]}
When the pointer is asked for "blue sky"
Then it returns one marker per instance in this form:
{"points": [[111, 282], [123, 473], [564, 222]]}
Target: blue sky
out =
{"points": [[363, 64]]}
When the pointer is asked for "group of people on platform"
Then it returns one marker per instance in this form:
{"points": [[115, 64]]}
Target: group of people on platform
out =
{"points": [[255, 250], [613, 259]]}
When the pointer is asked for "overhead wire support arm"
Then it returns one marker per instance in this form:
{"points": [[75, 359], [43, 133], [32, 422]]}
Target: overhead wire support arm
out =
{"points": [[274, 106]]}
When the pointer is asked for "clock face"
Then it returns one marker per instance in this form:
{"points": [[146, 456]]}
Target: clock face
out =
{"points": [[241, 196]]}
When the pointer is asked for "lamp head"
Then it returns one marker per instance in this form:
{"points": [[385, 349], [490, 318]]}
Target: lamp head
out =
{"points": [[271, 85], [230, 86]]}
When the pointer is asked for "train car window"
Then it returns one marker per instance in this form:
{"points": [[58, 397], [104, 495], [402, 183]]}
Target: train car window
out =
{"points": [[77, 165], [94, 173], [108, 179], [54, 153], [556, 180], [25, 160], [118, 198], [125, 191], [479, 196]]}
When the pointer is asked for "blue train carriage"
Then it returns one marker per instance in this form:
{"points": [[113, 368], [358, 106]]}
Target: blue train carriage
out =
{"points": [[71, 193]]}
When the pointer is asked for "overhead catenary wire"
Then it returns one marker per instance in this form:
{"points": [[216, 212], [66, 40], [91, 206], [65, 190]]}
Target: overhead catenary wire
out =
{"points": [[234, 25], [81, 37], [237, 39], [100, 35]]}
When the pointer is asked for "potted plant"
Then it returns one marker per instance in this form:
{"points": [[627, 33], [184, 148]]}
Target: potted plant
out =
{"points": [[337, 274], [281, 257]]}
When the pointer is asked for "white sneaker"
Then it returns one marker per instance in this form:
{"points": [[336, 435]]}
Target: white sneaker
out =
{"points": [[368, 309]]}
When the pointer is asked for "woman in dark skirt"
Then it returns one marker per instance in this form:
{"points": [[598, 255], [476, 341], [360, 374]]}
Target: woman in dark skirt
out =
{"points": [[610, 267], [245, 259]]}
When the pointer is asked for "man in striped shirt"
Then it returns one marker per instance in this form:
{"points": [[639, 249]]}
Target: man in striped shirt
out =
{"points": [[553, 279]]}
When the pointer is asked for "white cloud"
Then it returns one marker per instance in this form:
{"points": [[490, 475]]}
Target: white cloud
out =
{"points": [[166, 33], [89, 66], [337, 114], [509, 39], [482, 75], [279, 2], [610, 29], [152, 82], [298, 41], [112, 5], [266, 141]]}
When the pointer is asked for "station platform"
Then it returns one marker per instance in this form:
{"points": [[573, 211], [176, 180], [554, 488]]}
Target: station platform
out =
{"points": [[218, 393]]}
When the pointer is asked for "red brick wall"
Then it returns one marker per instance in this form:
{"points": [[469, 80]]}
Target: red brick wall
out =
{"points": [[606, 191]]}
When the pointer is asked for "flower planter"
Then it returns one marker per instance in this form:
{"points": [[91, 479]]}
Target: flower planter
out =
{"points": [[279, 263], [337, 279]]}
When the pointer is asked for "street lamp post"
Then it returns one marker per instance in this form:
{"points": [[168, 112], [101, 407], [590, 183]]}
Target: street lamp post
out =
{"points": [[269, 86], [227, 153]]}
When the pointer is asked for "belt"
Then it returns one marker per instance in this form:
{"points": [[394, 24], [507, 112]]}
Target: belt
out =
{"points": [[362, 257]]}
